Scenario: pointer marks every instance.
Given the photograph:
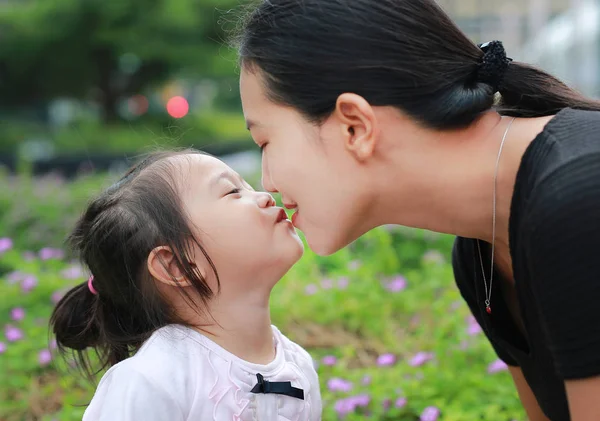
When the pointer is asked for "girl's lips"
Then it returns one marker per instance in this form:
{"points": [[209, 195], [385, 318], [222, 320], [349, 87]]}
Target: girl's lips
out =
{"points": [[294, 218], [281, 216]]}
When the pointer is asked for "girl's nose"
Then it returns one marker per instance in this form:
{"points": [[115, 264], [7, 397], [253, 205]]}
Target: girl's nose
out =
{"points": [[265, 200]]}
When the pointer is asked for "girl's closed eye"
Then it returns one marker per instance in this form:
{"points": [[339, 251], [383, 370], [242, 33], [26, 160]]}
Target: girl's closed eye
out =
{"points": [[235, 190]]}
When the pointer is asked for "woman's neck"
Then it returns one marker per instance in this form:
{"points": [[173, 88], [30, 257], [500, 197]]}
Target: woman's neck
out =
{"points": [[453, 191]]}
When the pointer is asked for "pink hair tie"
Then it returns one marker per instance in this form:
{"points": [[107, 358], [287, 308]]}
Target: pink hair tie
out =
{"points": [[91, 287]]}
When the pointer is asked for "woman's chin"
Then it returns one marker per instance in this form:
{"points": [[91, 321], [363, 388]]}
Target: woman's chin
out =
{"points": [[324, 244]]}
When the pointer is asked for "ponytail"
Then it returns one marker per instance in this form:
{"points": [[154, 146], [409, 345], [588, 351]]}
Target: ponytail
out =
{"points": [[74, 323], [527, 91], [82, 320]]}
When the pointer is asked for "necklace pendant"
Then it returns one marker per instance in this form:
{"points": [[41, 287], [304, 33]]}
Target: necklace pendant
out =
{"points": [[488, 309]]}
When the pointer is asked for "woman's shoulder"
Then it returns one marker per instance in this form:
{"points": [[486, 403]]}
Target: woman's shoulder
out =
{"points": [[560, 169], [568, 125], [569, 192]]}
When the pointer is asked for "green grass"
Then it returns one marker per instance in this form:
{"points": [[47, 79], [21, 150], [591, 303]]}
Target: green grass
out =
{"points": [[336, 306]]}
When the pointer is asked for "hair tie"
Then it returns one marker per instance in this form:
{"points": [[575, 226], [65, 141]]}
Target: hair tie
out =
{"points": [[493, 64], [91, 286]]}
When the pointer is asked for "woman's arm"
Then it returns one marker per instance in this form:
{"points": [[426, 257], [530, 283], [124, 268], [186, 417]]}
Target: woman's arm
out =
{"points": [[565, 266], [530, 403], [584, 399]]}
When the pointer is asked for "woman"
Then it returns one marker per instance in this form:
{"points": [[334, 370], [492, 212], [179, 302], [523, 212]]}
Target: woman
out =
{"points": [[373, 112]]}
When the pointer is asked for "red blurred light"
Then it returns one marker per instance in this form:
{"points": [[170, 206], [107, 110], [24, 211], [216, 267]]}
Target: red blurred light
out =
{"points": [[178, 107]]}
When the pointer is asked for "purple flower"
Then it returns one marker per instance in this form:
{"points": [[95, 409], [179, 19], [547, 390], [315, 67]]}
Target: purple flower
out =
{"points": [[343, 407], [29, 256], [53, 344], [28, 283], [421, 358], [431, 413], [5, 244], [397, 284], [354, 265], [366, 380], [73, 272], [311, 289], [56, 296], [15, 277], [13, 334], [386, 360], [48, 253], [2, 347], [327, 283], [497, 366], [17, 314], [44, 357], [349, 404], [342, 283], [361, 400], [386, 404], [339, 385], [473, 328], [329, 360], [400, 403]]}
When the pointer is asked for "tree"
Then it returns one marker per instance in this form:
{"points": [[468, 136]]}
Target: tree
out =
{"points": [[105, 49]]}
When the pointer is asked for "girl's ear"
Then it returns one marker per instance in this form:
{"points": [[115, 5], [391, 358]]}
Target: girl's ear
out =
{"points": [[162, 265]]}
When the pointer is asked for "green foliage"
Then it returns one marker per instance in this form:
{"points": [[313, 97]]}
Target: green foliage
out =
{"points": [[340, 306], [69, 48], [88, 137]]}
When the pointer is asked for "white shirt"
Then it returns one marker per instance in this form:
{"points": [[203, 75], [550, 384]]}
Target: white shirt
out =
{"points": [[179, 374]]}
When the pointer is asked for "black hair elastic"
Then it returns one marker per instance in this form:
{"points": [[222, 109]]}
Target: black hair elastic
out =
{"points": [[493, 65]]}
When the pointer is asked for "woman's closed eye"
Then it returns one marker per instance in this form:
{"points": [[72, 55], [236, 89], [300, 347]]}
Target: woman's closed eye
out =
{"points": [[235, 190]]}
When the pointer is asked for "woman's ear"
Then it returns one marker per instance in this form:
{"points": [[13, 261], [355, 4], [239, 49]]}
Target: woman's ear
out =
{"points": [[162, 265], [358, 125]]}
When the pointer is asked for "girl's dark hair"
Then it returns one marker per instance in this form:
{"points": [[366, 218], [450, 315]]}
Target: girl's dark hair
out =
{"points": [[113, 238], [403, 53]]}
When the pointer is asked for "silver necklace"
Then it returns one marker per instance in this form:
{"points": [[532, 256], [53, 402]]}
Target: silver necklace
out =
{"points": [[488, 292]]}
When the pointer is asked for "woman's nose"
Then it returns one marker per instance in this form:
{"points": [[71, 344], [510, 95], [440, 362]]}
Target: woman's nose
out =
{"points": [[266, 180]]}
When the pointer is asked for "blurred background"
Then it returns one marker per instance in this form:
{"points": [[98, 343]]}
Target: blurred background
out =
{"points": [[85, 86]]}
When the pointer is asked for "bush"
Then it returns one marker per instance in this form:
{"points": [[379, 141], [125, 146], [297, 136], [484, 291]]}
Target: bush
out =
{"points": [[90, 137], [38, 214], [382, 319]]}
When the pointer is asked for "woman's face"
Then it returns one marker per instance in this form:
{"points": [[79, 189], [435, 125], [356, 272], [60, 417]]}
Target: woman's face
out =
{"points": [[310, 166]]}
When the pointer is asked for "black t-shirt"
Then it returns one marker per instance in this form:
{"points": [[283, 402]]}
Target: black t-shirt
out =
{"points": [[554, 236]]}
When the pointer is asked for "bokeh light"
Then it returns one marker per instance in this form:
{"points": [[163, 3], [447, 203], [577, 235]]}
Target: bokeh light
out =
{"points": [[178, 107], [138, 105]]}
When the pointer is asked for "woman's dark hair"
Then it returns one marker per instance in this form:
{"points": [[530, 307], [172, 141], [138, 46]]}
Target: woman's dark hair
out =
{"points": [[403, 53], [113, 238]]}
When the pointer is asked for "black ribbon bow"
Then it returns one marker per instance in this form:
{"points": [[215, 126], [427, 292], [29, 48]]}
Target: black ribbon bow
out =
{"points": [[280, 388]]}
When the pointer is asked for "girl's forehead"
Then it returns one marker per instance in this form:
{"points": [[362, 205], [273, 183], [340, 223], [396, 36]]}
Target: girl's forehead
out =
{"points": [[200, 171]]}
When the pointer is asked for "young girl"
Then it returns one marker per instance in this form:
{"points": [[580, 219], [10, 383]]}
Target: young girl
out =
{"points": [[183, 255]]}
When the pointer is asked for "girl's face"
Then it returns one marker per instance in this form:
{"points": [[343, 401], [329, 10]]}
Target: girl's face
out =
{"points": [[310, 167], [247, 237]]}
